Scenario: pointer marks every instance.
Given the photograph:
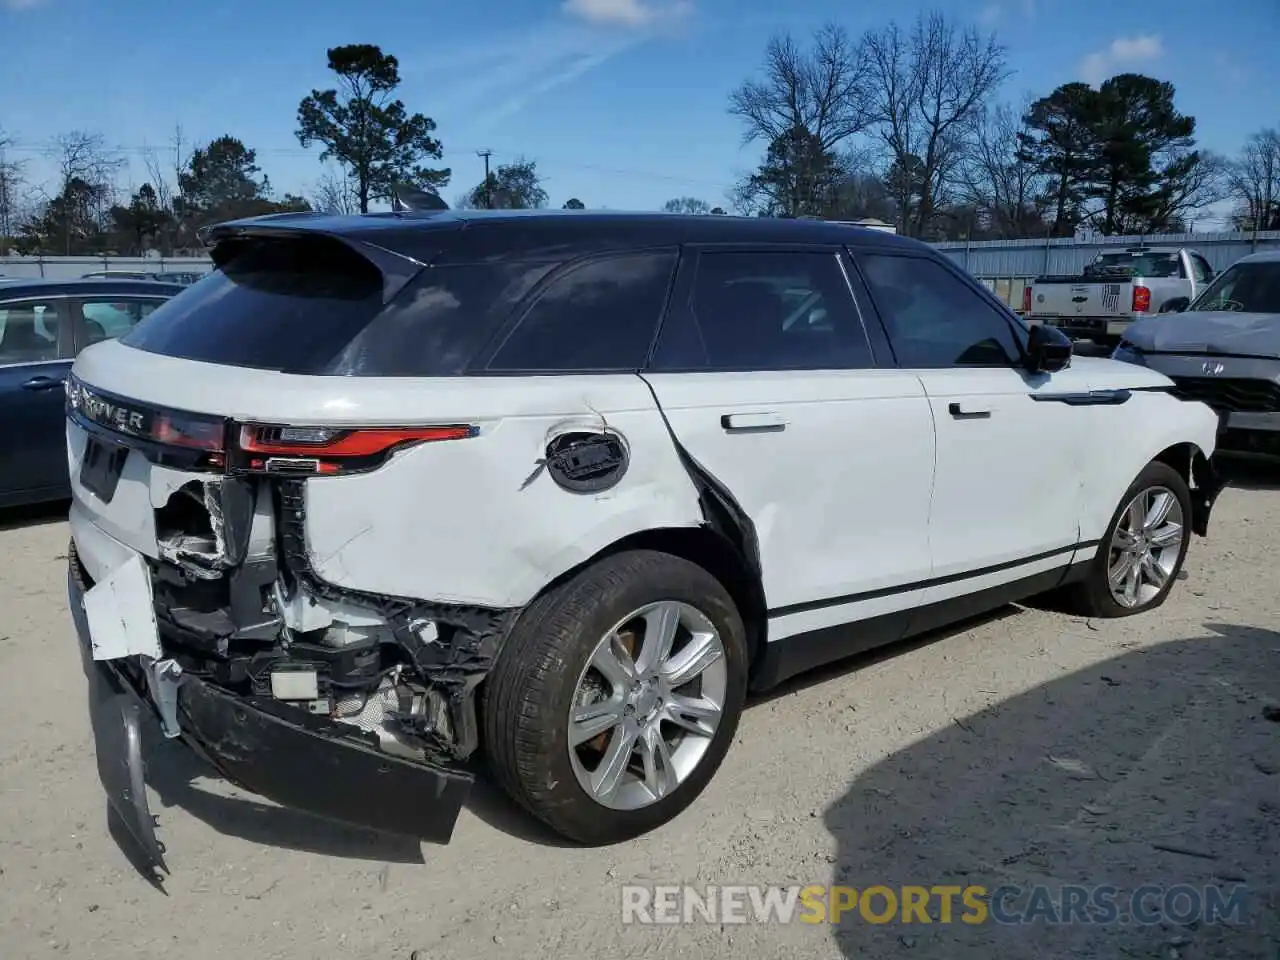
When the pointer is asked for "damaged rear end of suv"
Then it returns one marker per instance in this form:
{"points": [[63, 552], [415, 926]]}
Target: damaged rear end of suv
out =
{"points": [[303, 528]]}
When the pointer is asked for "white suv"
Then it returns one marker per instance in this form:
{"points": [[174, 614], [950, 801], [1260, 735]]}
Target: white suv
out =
{"points": [[385, 492]]}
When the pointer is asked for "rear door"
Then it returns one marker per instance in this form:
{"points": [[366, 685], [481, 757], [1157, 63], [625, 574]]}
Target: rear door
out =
{"points": [[768, 380], [35, 351], [1006, 498]]}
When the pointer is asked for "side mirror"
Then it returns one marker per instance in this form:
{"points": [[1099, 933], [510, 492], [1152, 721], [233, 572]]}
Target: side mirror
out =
{"points": [[1176, 305], [1048, 349]]}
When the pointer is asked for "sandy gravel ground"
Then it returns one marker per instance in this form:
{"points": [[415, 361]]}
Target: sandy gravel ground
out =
{"points": [[1027, 748]]}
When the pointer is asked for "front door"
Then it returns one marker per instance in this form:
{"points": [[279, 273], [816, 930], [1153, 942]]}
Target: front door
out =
{"points": [[766, 376], [35, 349], [1007, 494]]}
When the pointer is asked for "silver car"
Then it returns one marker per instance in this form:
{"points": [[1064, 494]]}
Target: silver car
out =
{"points": [[1224, 349]]}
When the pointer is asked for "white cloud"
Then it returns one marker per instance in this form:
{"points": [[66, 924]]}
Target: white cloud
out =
{"points": [[566, 73], [19, 5], [626, 13], [503, 75], [1124, 53]]}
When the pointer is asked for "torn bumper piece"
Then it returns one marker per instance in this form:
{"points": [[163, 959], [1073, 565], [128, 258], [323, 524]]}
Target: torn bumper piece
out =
{"points": [[308, 763], [1208, 483]]}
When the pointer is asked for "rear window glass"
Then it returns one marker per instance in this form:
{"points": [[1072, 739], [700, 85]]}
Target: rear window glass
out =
{"points": [[439, 325], [312, 306], [1133, 263]]}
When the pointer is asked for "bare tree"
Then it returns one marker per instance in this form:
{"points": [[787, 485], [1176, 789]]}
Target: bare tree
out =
{"points": [[1006, 188], [86, 164], [821, 90], [81, 155], [926, 90], [335, 193], [1200, 182], [11, 184], [158, 177], [1252, 181]]}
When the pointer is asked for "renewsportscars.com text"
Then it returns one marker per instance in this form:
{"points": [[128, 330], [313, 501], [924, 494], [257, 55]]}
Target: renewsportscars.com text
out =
{"points": [[939, 903]]}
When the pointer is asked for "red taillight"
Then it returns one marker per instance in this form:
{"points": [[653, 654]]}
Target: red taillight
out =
{"points": [[333, 450], [1141, 299], [194, 433], [1026, 299]]}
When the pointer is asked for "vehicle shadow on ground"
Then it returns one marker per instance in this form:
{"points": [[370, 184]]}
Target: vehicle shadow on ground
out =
{"points": [[1154, 767], [14, 518]]}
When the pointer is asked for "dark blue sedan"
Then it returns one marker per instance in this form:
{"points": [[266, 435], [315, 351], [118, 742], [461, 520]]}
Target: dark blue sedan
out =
{"points": [[43, 325]]}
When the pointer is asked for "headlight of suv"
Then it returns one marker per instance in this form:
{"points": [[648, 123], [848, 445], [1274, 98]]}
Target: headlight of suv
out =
{"points": [[1128, 353]]}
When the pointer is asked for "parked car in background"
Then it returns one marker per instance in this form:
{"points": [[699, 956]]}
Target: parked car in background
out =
{"points": [[1224, 349], [43, 324], [118, 275], [386, 492], [1116, 289], [185, 278]]}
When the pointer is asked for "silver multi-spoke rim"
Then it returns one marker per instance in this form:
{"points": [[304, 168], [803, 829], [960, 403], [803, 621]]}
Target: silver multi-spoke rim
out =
{"points": [[1145, 547], [647, 705]]}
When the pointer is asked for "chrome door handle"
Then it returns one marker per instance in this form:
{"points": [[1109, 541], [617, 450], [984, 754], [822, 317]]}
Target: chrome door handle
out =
{"points": [[960, 413], [42, 383], [742, 422]]}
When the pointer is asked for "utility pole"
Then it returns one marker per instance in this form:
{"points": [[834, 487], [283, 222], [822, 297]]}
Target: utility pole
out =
{"points": [[486, 153]]}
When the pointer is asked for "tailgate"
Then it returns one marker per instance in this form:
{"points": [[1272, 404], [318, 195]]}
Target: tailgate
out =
{"points": [[1110, 300], [1097, 300]]}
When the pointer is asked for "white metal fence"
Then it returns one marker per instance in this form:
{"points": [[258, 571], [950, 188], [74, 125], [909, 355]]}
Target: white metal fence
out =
{"points": [[70, 268]]}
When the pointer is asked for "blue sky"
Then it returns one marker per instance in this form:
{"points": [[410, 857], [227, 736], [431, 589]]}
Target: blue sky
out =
{"points": [[621, 102]]}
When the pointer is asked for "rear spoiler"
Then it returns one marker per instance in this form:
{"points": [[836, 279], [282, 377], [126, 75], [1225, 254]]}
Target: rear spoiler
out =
{"points": [[223, 239]]}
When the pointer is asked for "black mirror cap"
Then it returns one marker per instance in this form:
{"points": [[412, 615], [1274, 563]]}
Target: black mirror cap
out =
{"points": [[1176, 305], [1048, 349]]}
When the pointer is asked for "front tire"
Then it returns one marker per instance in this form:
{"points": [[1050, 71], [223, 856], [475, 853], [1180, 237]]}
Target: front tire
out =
{"points": [[614, 699], [1142, 552]]}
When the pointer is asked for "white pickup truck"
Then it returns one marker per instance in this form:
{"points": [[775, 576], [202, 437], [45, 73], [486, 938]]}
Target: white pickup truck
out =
{"points": [[1115, 289]]}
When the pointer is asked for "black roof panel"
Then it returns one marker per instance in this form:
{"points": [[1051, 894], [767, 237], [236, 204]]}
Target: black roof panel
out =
{"points": [[493, 233]]}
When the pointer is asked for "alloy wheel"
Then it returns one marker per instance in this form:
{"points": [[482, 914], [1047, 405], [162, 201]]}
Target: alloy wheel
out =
{"points": [[647, 705], [1145, 547]]}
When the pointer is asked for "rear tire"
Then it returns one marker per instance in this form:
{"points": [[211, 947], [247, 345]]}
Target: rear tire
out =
{"points": [[546, 689], [1145, 552]]}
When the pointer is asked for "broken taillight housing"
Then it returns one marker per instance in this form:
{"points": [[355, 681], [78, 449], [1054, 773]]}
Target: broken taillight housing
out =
{"points": [[273, 448]]}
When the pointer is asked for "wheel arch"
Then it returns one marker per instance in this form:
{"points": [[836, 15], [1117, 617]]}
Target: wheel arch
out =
{"points": [[1194, 466], [711, 551]]}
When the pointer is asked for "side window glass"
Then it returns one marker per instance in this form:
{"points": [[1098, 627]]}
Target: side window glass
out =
{"points": [[777, 311], [1203, 271], [934, 319], [28, 332], [109, 319], [600, 315]]}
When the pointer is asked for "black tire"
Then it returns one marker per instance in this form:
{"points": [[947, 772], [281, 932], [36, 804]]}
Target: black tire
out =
{"points": [[529, 692], [1092, 595]]}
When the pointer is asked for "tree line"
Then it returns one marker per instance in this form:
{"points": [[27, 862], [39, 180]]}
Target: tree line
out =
{"points": [[900, 124], [903, 124]]}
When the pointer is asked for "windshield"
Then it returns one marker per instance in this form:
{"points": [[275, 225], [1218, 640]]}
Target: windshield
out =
{"points": [[1134, 263], [1244, 288]]}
